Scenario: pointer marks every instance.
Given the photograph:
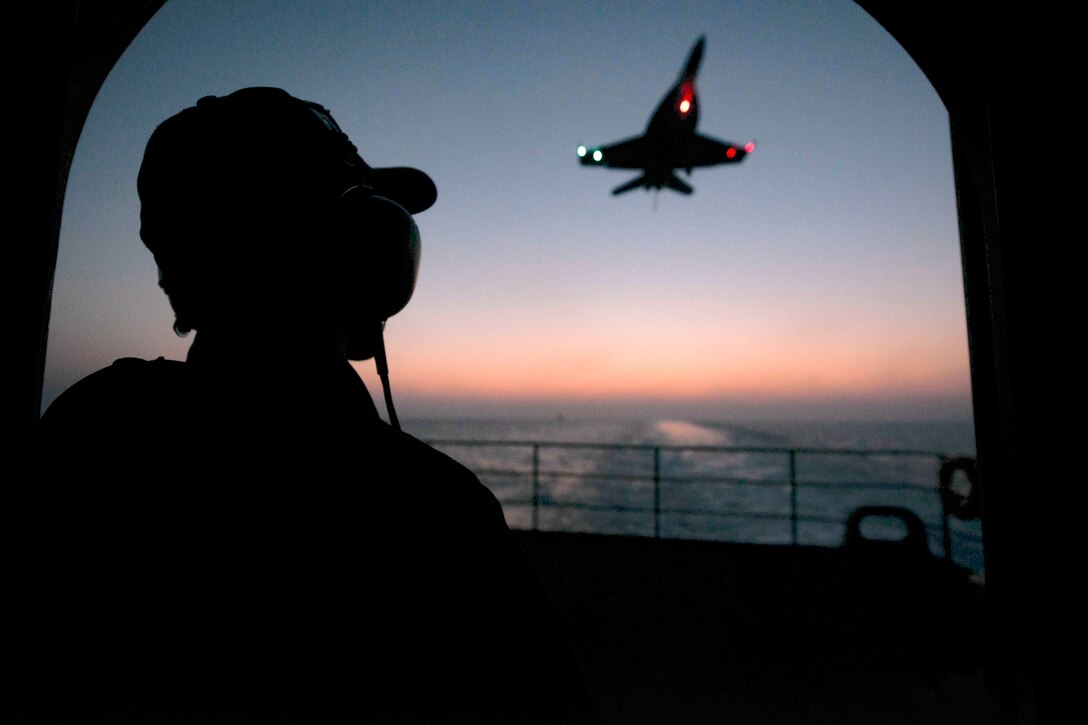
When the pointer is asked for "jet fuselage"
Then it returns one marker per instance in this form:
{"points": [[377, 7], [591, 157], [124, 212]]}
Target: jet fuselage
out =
{"points": [[669, 133]]}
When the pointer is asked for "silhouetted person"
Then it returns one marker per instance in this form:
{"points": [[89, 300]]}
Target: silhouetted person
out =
{"points": [[240, 537]]}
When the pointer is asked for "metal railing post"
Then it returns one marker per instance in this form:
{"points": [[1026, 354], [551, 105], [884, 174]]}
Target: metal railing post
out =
{"points": [[793, 496], [946, 533], [536, 486], [657, 492]]}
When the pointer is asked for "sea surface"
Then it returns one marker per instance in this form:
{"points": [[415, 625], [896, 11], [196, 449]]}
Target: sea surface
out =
{"points": [[789, 482]]}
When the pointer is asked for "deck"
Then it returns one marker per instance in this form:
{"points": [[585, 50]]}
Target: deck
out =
{"points": [[695, 632]]}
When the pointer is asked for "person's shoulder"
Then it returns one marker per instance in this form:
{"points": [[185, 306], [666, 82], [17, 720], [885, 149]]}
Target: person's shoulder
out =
{"points": [[125, 391], [444, 481]]}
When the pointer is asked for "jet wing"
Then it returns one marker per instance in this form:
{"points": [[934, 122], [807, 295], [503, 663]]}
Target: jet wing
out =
{"points": [[627, 154], [706, 151]]}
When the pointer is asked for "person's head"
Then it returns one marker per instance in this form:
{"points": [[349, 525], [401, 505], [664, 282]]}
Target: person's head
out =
{"points": [[260, 211]]}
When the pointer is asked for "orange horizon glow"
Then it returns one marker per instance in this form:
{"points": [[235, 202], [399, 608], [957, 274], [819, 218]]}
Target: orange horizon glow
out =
{"points": [[685, 341], [751, 386], [697, 370]]}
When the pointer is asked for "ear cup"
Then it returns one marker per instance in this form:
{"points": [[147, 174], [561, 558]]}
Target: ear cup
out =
{"points": [[373, 266]]}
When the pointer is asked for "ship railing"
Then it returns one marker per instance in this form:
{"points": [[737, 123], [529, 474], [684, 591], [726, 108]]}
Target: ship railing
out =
{"points": [[526, 464]]}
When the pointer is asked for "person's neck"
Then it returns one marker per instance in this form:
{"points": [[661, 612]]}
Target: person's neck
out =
{"points": [[271, 349], [285, 365]]}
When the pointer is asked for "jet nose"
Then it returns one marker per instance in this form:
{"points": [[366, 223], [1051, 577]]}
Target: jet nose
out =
{"points": [[696, 56]]}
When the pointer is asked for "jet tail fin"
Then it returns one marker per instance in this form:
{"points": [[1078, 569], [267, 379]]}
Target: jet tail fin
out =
{"points": [[632, 184]]}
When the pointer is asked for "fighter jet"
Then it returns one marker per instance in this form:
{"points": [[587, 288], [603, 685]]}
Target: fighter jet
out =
{"points": [[670, 141]]}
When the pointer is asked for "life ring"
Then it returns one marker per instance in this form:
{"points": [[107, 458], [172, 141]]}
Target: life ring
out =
{"points": [[963, 506]]}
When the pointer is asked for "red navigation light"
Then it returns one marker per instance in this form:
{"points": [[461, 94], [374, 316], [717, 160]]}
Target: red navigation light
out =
{"points": [[750, 147], [730, 152], [687, 98]]}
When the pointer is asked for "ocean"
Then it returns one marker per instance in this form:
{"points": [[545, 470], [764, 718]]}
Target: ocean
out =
{"points": [[775, 483]]}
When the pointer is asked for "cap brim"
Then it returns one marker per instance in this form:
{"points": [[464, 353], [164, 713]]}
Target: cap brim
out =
{"points": [[411, 188]]}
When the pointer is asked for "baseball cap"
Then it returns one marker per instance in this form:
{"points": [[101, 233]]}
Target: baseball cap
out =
{"points": [[263, 140]]}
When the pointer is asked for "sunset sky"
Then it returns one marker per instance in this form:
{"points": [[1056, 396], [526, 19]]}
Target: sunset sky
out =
{"points": [[820, 277]]}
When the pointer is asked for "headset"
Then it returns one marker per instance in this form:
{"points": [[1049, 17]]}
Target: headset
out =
{"points": [[375, 252], [375, 264]]}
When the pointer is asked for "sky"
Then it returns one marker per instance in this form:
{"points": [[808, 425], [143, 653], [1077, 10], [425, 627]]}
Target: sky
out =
{"points": [[820, 278]]}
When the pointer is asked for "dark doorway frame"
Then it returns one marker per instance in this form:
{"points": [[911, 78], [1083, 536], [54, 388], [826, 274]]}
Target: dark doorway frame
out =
{"points": [[1004, 76]]}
